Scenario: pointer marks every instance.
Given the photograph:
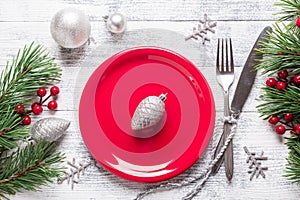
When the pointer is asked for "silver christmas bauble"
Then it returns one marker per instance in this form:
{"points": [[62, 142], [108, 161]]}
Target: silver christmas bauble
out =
{"points": [[116, 23], [70, 28], [149, 116], [49, 129]]}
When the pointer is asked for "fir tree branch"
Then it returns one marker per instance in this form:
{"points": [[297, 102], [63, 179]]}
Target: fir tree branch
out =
{"points": [[31, 69], [281, 51], [10, 129], [290, 9], [29, 168], [293, 166], [278, 102]]}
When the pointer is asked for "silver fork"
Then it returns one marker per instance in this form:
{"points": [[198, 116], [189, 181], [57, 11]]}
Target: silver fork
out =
{"points": [[225, 77]]}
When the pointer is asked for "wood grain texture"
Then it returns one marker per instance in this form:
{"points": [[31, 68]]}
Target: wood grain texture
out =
{"points": [[22, 22], [157, 10]]}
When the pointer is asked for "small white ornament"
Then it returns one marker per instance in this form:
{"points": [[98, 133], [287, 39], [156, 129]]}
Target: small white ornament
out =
{"points": [[149, 116], [116, 23], [70, 28], [49, 129]]}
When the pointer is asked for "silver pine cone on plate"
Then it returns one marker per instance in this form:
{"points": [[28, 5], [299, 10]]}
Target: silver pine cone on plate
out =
{"points": [[148, 118]]}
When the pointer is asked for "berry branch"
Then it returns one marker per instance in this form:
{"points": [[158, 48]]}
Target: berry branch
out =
{"points": [[25, 165], [281, 94]]}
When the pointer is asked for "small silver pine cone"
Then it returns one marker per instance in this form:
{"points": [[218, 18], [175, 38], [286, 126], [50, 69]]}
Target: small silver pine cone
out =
{"points": [[49, 129], [149, 115]]}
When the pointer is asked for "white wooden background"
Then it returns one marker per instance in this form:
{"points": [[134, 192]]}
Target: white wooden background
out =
{"points": [[23, 21]]}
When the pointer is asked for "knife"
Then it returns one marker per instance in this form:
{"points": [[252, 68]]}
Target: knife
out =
{"points": [[242, 91]]}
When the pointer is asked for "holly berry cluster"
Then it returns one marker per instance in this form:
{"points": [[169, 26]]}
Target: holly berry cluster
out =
{"points": [[286, 124], [282, 80], [37, 107], [280, 83]]}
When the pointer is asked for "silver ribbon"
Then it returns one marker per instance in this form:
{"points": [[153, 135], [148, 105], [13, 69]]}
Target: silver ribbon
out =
{"points": [[203, 177]]}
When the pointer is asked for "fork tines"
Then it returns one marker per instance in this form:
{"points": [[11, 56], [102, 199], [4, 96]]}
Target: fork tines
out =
{"points": [[225, 67]]}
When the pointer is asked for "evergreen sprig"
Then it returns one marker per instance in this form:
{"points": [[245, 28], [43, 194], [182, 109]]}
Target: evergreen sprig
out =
{"points": [[278, 102], [282, 52], [29, 168], [25, 165], [290, 9], [29, 70], [10, 129], [293, 166]]}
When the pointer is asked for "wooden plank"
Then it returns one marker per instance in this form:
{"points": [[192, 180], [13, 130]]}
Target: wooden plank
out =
{"points": [[15, 35], [158, 10], [251, 131]]}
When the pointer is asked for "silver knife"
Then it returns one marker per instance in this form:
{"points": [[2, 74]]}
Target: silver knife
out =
{"points": [[242, 91]]}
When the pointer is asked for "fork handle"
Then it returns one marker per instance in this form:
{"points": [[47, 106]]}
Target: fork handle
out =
{"points": [[226, 104], [228, 155]]}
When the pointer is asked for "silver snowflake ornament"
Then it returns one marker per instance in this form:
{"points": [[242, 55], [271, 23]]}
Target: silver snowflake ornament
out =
{"points": [[201, 30]]}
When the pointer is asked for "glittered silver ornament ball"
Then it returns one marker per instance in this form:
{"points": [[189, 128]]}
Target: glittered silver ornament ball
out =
{"points": [[116, 23], [70, 28]]}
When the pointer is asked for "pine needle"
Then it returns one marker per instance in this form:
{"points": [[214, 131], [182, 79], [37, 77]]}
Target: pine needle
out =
{"points": [[282, 52], [30, 168]]}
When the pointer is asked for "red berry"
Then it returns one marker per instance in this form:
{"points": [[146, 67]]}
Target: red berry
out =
{"points": [[274, 119], [26, 120], [37, 109], [280, 129], [271, 82], [54, 90], [35, 103], [52, 105], [19, 109], [297, 129], [41, 92], [298, 22], [288, 117], [282, 74], [296, 79], [280, 85]]}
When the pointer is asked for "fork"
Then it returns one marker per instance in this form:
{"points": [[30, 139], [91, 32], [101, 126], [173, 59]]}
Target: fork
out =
{"points": [[225, 77]]}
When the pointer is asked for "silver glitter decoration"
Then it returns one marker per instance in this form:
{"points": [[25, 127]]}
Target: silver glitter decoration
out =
{"points": [[115, 23], [70, 28], [201, 30], [49, 129], [149, 116], [75, 170], [255, 166], [199, 180]]}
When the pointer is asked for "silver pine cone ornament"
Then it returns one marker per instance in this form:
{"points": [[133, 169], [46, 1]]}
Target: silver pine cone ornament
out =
{"points": [[49, 129], [149, 116]]}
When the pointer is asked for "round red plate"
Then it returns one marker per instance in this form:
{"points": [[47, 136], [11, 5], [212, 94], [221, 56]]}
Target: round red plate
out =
{"points": [[112, 94]]}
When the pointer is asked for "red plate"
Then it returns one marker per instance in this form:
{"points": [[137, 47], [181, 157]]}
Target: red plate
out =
{"points": [[111, 96]]}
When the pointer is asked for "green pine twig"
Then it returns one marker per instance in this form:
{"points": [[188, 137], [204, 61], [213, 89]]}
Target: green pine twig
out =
{"points": [[282, 52], [10, 129], [293, 166], [31, 69], [278, 102], [29, 168]]}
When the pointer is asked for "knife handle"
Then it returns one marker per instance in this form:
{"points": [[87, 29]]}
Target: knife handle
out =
{"points": [[228, 155]]}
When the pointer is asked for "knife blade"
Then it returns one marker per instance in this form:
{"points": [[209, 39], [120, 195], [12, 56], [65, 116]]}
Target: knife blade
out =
{"points": [[242, 91]]}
